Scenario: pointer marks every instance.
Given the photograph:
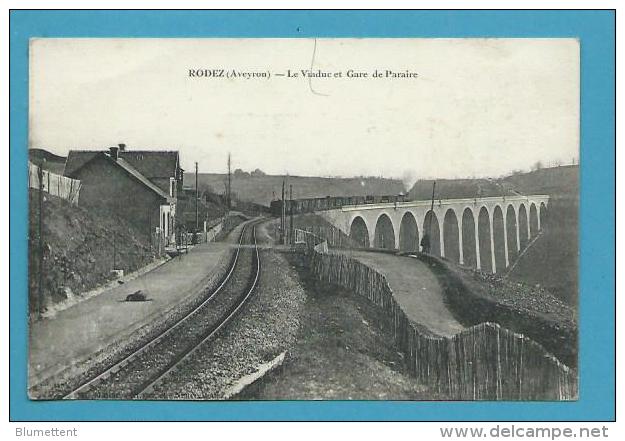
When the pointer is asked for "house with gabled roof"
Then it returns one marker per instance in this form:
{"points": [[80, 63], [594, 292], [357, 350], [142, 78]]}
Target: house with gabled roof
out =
{"points": [[140, 186]]}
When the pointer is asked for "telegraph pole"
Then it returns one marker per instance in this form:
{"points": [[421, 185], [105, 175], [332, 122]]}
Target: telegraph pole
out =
{"points": [[229, 183], [282, 208], [197, 219], [291, 213], [431, 208], [428, 232], [40, 227]]}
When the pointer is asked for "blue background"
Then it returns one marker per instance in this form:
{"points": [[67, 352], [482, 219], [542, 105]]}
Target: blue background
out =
{"points": [[596, 31]]}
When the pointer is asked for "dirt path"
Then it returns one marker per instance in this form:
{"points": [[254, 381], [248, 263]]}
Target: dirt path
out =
{"points": [[344, 348], [416, 289], [344, 351]]}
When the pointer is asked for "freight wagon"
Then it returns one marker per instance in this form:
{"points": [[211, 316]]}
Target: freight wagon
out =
{"points": [[310, 205]]}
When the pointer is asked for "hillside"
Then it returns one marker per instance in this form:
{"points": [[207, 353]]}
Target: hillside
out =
{"points": [[476, 297], [48, 160], [554, 181], [210, 207], [459, 188], [80, 247], [260, 188], [552, 262], [263, 189]]}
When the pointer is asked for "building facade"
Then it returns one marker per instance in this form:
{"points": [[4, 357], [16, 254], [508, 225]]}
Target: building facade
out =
{"points": [[140, 186]]}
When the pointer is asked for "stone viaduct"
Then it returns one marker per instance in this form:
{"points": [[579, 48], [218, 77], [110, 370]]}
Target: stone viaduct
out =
{"points": [[484, 233]]}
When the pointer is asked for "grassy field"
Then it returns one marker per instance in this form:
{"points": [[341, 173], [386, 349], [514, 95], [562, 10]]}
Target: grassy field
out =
{"points": [[552, 262]]}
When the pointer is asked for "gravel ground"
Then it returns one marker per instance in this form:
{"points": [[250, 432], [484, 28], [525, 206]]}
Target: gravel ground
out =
{"points": [[477, 297], [267, 326], [344, 351], [530, 298], [132, 378], [338, 345]]}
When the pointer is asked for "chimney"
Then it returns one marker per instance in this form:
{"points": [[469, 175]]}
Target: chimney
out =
{"points": [[114, 152], [122, 147]]}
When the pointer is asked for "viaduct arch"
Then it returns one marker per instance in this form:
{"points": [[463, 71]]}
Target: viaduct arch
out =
{"points": [[384, 233], [482, 233], [451, 233], [359, 232], [409, 233]]}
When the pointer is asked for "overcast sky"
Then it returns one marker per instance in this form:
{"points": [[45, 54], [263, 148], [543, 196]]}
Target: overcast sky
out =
{"points": [[479, 107]]}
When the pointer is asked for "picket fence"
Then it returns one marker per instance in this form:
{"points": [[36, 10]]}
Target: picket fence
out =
{"points": [[483, 362], [51, 183]]}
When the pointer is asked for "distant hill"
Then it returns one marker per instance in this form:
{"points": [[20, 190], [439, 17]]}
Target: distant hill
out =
{"points": [[265, 188], [459, 188], [554, 181], [49, 161]]}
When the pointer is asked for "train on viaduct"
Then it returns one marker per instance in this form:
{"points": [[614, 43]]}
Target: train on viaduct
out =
{"points": [[486, 233]]}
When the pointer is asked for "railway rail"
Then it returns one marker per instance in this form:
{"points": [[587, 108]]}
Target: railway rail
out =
{"points": [[143, 369]]}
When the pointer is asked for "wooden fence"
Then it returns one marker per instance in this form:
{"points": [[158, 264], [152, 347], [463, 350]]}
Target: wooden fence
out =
{"points": [[56, 185], [329, 233], [307, 237], [483, 362], [213, 231]]}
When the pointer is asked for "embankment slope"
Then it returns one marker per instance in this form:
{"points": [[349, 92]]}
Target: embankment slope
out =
{"points": [[80, 248], [552, 261]]}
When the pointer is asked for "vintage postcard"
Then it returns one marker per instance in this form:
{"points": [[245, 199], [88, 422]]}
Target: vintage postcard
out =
{"points": [[303, 219]]}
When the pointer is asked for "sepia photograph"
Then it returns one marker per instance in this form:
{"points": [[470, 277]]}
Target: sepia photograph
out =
{"points": [[303, 219]]}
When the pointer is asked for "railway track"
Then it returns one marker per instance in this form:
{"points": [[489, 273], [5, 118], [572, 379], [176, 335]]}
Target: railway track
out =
{"points": [[141, 371]]}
